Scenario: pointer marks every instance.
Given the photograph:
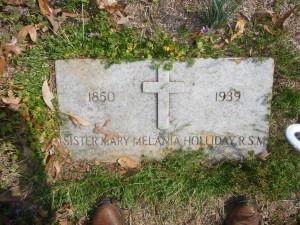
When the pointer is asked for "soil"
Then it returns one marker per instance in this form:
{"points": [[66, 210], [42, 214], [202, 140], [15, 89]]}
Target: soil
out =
{"points": [[171, 14]]}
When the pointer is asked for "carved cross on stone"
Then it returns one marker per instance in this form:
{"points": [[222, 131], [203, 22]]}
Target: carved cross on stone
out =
{"points": [[163, 87]]}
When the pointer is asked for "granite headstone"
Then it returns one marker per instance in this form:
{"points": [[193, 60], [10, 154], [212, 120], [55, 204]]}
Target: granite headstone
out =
{"points": [[221, 105]]}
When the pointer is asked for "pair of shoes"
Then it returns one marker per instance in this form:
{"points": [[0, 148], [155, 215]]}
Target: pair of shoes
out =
{"points": [[244, 213], [108, 214]]}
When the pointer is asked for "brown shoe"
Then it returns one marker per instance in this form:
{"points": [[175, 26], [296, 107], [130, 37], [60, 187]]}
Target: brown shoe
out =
{"points": [[108, 214], [243, 214]]}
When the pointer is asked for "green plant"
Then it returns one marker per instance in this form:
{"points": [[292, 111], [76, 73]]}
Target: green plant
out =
{"points": [[217, 12]]}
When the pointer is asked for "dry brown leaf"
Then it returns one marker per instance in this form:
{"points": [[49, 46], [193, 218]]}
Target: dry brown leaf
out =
{"points": [[102, 3], [59, 217], [220, 44], [57, 166], [45, 7], [78, 121], [11, 101], [47, 95], [14, 2], [122, 172], [276, 19], [266, 28], [239, 28], [69, 15], [25, 115], [11, 47], [115, 9], [61, 148], [50, 13], [264, 13], [2, 64], [264, 156], [123, 20], [31, 30], [13, 194], [127, 162], [108, 134], [280, 20], [49, 159], [106, 124]]}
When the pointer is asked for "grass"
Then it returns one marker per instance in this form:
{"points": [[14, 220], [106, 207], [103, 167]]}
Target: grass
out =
{"points": [[217, 12], [181, 178]]}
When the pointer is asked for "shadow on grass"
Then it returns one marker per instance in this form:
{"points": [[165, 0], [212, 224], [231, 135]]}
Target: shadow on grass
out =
{"points": [[23, 179]]}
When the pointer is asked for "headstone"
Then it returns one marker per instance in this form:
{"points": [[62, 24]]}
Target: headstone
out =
{"points": [[221, 105]]}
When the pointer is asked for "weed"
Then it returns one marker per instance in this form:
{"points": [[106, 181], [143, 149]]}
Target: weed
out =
{"points": [[217, 12]]}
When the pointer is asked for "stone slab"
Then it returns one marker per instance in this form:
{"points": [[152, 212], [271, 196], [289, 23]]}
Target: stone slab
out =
{"points": [[222, 105]]}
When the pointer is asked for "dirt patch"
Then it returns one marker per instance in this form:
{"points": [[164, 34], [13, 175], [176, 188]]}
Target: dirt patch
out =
{"points": [[211, 211], [172, 14]]}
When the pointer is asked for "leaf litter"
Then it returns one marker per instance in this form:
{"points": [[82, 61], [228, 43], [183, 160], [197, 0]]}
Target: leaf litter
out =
{"points": [[108, 134], [52, 14], [12, 102], [77, 120], [47, 95]]}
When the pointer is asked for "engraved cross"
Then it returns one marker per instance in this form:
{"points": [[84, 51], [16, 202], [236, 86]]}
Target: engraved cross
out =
{"points": [[163, 87]]}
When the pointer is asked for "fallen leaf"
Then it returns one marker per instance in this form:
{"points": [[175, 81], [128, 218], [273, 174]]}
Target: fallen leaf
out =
{"points": [[47, 95], [280, 20], [11, 47], [14, 2], [123, 20], [115, 9], [127, 162], [49, 159], [266, 28], [194, 35], [220, 44], [57, 166], [50, 13], [106, 124], [78, 121], [102, 3], [31, 30], [108, 134], [25, 115], [2, 64], [59, 217], [264, 156], [239, 28], [45, 7], [122, 172], [13, 194], [265, 13], [69, 15], [61, 148], [11, 101], [276, 19]]}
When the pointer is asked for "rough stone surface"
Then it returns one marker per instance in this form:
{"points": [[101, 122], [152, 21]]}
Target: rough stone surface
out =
{"points": [[221, 105]]}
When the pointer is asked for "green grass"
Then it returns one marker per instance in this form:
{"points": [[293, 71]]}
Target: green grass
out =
{"points": [[216, 12], [180, 178]]}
